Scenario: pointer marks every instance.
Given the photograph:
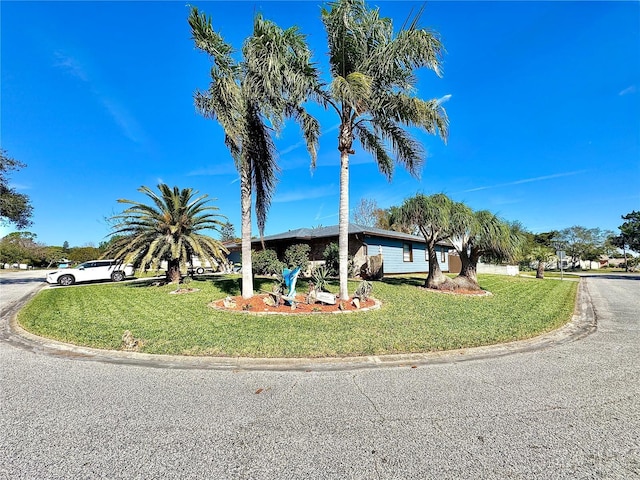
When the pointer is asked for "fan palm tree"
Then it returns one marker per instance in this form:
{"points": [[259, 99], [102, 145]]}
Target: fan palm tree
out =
{"points": [[251, 99], [168, 229], [431, 215], [373, 79]]}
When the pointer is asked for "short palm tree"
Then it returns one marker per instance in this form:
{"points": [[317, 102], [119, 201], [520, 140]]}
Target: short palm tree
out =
{"points": [[431, 215], [481, 234], [169, 229], [541, 255], [251, 99], [371, 90]]}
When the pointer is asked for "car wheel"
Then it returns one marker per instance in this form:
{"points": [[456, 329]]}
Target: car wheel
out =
{"points": [[66, 280], [117, 276], [199, 270]]}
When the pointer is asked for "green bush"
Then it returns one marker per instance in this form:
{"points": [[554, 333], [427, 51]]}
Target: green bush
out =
{"points": [[332, 258], [265, 262], [297, 256], [332, 261]]}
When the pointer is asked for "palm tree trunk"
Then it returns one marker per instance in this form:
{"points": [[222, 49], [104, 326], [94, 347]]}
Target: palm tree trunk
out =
{"points": [[245, 209], [435, 277], [540, 271], [173, 271], [343, 226], [469, 269]]}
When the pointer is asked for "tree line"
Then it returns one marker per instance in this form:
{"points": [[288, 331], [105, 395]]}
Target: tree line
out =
{"points": [[482, 234]]}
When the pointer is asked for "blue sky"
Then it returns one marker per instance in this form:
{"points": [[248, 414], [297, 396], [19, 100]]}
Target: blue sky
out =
{"points": [[543, 102]]}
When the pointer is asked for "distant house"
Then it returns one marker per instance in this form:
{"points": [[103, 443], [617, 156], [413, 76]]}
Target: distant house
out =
{"points": [[401, 252]]}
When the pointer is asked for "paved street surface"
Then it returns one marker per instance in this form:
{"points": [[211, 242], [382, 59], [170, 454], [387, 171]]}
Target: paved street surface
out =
{"points": [[569, 411], [14, 285]]}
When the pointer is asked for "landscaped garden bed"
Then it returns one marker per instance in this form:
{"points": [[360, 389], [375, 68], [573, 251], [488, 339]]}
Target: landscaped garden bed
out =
{"points": [[257, 305], [411, 319]]}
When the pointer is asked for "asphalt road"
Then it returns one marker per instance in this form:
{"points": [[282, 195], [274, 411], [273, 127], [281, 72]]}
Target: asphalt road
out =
{"points": [[567, 411], [15, 285]]}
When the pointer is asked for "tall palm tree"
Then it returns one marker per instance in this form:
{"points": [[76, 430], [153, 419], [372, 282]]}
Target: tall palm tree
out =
{"points": [[481, 234], [168, 229], [373, 79], [431, 215], [252, 98]]}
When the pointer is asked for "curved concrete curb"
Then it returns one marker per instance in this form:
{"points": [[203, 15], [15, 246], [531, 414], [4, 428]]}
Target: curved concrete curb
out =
{"points": [[582, 324]]}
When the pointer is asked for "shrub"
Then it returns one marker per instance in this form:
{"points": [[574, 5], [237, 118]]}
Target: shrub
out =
{"points": [[297, 256], [265, 262], [332, 258], [332, 261]]}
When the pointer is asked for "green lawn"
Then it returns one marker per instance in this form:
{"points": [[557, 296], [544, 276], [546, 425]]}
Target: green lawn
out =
{"points": [[410, 320]]}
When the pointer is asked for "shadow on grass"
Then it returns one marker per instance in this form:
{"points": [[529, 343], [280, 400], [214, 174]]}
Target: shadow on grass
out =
{"points": [[231, 286], [144, 282], [412, 281]]}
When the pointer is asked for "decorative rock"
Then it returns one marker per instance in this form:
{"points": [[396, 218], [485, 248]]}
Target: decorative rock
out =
{"points": [[228, 302], [325, 297], [130, 343], [356, 302], [270, 301]]}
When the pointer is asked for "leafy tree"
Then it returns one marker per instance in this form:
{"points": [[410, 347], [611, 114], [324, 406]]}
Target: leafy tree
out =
{"points": [[547, 239], [227, 232], [619, 241], [252, 98], [391, 219], [331, 257], [265, 262], [65, 246], [365, 213], [373, 81], [21, 247], [84, 254], [53, 254], [14, 207], [167, 229], [431, 215], [297, 256], [581, 242], [630, 230]]}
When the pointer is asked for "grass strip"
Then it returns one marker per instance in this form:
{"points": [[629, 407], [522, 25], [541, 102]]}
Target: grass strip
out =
{"points": [[411, 319]]}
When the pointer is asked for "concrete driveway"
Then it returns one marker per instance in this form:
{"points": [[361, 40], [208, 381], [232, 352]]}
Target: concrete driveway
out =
{"points": [[570, 410]]}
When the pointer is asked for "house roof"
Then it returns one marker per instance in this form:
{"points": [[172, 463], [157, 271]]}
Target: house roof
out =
{"points": [[332, 231]]}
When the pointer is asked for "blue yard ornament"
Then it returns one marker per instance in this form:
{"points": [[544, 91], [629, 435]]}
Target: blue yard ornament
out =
{"points": [[290, 278]]}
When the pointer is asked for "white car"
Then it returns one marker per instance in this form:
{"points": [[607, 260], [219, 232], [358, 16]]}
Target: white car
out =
{"points": [[92, 270]]}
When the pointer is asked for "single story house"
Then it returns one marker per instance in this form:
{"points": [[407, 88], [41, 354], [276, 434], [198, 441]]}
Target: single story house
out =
{"points": [[401, 252]]}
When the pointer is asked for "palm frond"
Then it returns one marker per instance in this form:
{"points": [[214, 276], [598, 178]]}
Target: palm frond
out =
{"points": [[168, 229], [259, 152], [373, 144]]}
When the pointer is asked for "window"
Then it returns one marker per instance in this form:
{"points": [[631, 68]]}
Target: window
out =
{"points": [[407, 252], [443, 255]]}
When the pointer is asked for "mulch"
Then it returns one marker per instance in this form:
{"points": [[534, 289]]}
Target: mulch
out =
{"points": [[256, 304]]}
